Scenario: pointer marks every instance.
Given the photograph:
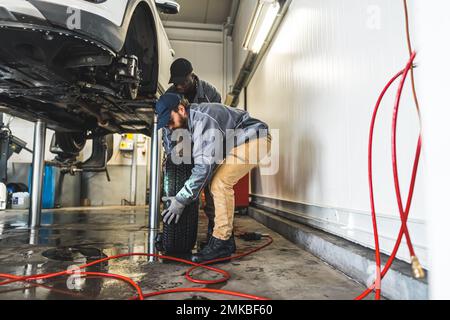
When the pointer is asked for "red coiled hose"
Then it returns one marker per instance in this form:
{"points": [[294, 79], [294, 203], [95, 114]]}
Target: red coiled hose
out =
{"points": [[140, 294], [403, 212]]}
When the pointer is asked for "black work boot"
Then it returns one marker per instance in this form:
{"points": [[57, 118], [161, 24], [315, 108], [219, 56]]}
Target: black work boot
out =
{"points": [[208, 234], [215, 249], [233, 243], [210, 230]]}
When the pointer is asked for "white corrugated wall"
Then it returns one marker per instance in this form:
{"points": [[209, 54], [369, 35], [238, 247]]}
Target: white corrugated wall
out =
{"points": [[318, 84], [204, 48]]}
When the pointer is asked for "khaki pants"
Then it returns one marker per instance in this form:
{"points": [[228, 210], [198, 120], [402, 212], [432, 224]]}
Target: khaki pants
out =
{"points": [[236, 165]]}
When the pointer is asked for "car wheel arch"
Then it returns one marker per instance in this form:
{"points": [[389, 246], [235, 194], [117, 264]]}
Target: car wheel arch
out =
{"points": [[134, 9]]}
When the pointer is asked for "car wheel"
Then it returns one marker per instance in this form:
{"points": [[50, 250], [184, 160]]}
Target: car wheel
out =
{"points": [[141, 42], [71, 143], [179, 238]]}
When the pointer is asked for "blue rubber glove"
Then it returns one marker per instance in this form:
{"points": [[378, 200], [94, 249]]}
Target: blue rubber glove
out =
{"points": [[175, 210]]}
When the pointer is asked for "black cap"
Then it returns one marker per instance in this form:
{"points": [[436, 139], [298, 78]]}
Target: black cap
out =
{"points": [[179, 69]]}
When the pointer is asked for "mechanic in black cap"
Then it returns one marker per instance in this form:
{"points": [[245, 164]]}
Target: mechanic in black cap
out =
{"points": [[186, 83]]}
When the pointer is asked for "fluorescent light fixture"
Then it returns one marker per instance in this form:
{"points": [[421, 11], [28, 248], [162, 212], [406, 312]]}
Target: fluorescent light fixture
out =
{"points": [[261, 24]]}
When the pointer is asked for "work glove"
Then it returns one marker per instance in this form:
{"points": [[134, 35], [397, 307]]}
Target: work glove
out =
{"points": [[175, 210]]}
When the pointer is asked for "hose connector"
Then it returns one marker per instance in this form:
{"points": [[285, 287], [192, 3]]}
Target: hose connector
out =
{"points": [[417, 269]]}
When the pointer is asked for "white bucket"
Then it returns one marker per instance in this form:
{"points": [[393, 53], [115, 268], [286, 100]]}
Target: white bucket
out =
{"points": [[20, 200], [3, 196]]}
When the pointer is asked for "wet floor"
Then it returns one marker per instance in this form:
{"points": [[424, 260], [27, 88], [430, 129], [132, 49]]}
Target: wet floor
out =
{"points": [[70, 237]]}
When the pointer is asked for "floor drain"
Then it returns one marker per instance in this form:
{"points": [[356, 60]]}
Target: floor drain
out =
{"points": [[74, 253]]}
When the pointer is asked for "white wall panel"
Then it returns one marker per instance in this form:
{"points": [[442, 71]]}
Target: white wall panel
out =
{"points": [[318, 84]]}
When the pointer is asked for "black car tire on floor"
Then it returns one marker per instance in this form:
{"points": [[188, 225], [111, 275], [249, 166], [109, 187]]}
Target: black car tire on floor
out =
{"points": [[179, 238]]}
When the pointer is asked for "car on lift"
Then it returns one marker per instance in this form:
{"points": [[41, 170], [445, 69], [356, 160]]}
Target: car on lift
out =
{"points": [[87, 68]]}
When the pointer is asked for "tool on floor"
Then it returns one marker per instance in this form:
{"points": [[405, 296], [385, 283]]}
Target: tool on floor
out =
{"points": [[251, 236]]}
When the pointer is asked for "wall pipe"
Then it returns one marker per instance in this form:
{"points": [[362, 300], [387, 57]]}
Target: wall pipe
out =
{"points": [[232, 17]]}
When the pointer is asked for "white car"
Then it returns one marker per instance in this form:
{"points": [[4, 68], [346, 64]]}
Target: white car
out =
{"points": [[88, 68]]}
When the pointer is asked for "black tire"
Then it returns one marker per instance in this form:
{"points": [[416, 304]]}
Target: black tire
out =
{"points": [[179, 238], [71, 143]]}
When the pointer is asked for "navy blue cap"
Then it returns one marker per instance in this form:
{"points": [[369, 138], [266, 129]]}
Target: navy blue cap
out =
{"points": [[166, 103]]}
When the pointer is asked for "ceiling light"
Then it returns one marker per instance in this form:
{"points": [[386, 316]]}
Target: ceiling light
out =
{"points": [[261, 24]]}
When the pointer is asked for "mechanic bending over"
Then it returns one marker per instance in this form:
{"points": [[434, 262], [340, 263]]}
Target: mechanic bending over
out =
{"points": [[243, 142], [187, 83]]}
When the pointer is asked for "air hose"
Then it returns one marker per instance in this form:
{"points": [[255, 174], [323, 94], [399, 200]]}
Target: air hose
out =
{"points": [[417, 270], [140, 294], [416, 267]]}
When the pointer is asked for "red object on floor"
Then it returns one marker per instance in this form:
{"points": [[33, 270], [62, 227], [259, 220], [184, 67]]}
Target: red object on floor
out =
{"points": [[241, 193]]}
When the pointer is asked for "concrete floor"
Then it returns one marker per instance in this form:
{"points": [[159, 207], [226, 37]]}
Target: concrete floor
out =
{"points": [[280, 271]]}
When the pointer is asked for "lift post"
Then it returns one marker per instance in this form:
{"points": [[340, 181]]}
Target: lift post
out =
{"points": [[4, 145], [133, 179], [155, 164], [34, 217]]}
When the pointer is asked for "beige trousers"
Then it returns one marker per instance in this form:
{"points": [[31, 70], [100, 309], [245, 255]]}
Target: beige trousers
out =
{"points": [[240, 161]]}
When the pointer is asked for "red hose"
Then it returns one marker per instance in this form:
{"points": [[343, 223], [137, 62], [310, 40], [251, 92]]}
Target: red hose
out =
{"points": [[372, 200], [403, 213], [219, 291], [141, 295], [394, 151]]}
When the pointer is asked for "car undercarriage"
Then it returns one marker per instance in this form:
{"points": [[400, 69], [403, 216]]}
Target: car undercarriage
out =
{"points": [[71, 83]]}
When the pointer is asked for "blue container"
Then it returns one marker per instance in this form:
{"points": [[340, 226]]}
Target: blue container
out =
{"points": [[49, 187]]}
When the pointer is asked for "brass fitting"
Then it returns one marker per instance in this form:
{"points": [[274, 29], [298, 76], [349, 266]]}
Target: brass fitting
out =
{"points": [[417, 269]]}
